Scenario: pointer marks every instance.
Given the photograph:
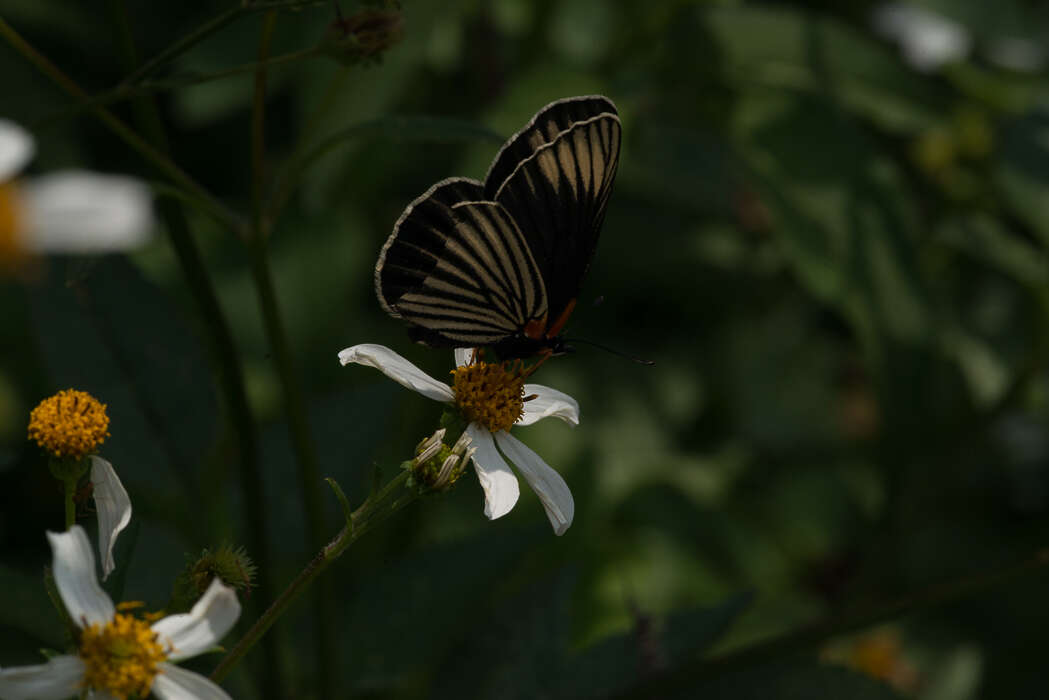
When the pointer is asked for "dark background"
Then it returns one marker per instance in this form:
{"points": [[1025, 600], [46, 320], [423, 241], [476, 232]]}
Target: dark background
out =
{"points": [[837, 261]]}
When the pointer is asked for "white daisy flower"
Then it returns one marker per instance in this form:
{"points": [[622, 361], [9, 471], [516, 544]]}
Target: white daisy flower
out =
{"points": [[72, 425], [121, 655], [927, 39], [493, 398], [66, 212]]}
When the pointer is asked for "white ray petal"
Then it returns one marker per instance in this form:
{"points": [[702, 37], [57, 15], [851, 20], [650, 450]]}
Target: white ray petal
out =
{"points": [[398, 369], [463, 356], [552, 490], [174, 683], [83, 212], [189, 634], [58, 679], [548, 403], [114, 509], [16, 149], [74, 571], [501, 490]]}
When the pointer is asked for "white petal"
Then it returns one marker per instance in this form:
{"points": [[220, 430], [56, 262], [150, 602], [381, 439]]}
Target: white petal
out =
{"points": [[174, 683], [74, 571], [82, 212], [548, 402], [547, 483], [58, 679], [189, 634], [16, 149], [463, 356], [114, 510], [499, 483], [398, 369]]}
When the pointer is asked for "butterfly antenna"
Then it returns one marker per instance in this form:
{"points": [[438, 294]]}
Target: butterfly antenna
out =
{"points": [[612, 351]]}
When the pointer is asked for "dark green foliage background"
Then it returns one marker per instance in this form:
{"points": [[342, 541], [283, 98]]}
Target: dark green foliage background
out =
{"points": [[837, 262]]}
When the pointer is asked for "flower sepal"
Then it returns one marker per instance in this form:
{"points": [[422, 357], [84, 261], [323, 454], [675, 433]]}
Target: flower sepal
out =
{"points": [[69, 468]]}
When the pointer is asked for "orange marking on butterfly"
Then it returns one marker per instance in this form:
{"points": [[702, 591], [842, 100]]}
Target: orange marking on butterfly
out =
{"points": [[561, 320], [534, 328]]}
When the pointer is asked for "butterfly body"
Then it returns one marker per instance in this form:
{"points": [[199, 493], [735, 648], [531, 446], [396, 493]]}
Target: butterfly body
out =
{"points": [[498, 263]]}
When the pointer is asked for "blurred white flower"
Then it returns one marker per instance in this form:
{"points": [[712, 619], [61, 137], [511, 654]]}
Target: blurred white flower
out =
{"points": [[66, 212], [491, 397], [927, 39], [120, 655]]}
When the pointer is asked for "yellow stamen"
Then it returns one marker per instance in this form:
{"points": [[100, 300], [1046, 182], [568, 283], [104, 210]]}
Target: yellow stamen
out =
{"points": [[121, 656], [69, 424], [490, 394], [10, 221]]}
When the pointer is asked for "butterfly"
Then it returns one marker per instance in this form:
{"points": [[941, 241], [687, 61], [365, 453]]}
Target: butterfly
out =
{"points": [[499, 263]]}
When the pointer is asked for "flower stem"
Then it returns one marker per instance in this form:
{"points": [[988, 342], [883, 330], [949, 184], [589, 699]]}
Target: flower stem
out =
{"points": [[188, 41], [70, 483], [148, 87], [363, 519], [224, 354], [306, 458], [161, 162]]}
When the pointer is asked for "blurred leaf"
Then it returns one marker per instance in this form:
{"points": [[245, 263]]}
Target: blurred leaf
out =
{"points": [[1022, 171], [347, 427], [793, 49], [843, 215], [987, 241], [433, 598]]}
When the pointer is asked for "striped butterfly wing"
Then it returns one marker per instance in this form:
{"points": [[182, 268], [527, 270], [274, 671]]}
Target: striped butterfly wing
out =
{"points": [[554, 177], [459, 270]]}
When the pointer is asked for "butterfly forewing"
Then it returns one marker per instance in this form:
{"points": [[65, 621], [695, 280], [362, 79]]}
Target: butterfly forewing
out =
{"points": [[458, 268], [554, 178]]}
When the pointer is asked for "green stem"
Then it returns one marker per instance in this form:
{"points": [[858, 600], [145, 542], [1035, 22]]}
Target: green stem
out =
{"points": [[183, 44], [306, 458], [292, 167], [224, 352], [165, 165], [149, 87], [362, 520], [70, 483], [690, 673]]}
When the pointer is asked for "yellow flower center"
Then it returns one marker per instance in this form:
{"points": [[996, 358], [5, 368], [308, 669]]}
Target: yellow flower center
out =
{"points": [[121, 656], [10, 220], [490, 394], [69, 424]]}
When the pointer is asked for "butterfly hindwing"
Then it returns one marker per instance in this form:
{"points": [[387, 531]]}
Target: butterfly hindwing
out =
{"points": [[459, 270], [554, 177]]}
